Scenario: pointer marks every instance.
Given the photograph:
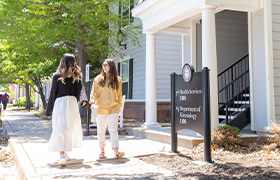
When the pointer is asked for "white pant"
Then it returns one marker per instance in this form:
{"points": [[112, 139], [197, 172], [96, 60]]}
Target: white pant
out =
{"points": [[111, 120]]}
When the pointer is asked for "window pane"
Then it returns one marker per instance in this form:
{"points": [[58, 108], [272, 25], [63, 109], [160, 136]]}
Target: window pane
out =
{"points": [[125, 71]]}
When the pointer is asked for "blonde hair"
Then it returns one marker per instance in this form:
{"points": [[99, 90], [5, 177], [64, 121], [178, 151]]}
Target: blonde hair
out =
{"points": [[67, 62]]}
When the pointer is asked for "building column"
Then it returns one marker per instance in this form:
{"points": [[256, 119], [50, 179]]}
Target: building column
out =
{"points": [[183, 50], [271, 119], [151, 84], [209, 58], [193, 44]]}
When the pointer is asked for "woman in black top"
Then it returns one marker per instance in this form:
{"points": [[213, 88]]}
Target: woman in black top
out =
{"points": [[67, 89]]}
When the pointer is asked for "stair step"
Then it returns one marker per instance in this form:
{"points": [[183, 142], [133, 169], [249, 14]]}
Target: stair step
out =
{"points": [[235, 109], [246, 95], [186, 137], [241, 102], [224, 117]]}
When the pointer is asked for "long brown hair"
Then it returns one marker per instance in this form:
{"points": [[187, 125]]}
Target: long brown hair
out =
{"points": [[113, 75], [67, 62]]}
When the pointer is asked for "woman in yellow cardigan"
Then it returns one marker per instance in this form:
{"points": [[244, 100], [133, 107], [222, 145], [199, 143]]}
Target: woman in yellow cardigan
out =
{"points": [[106, 93]]}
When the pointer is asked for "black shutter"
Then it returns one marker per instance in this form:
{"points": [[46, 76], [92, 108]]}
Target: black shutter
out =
{"points": [[130, 78], [130, 11], [119, 68]]}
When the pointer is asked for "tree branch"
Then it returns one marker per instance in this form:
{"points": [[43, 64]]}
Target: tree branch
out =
{"points": [[66, 41]]}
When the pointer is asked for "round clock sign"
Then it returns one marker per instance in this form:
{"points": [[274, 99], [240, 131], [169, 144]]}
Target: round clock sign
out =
{"points": [[187, 72]]}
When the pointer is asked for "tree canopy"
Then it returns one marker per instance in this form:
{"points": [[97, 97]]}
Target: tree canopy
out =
{"points": [[35, 34]]}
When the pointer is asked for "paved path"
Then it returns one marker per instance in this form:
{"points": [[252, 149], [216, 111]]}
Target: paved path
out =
{"points": [[29, 137]]}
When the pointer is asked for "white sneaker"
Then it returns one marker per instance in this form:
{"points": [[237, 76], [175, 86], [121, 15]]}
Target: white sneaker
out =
{"points": [[62, 160], [67, 158]]}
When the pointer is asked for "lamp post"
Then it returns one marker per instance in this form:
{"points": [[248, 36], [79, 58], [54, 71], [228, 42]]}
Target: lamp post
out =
{"points": [[87, 80]]}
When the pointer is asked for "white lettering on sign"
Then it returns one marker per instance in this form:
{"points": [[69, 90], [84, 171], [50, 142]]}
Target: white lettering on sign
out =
{"points": [[188, 115], [188, 91], [183, 121], [190, 109], [183, 98]]}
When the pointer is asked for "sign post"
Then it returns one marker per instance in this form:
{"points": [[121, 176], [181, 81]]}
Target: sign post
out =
{"points": [[173, 111], [190, 107], [87, 80], [206, 112]]}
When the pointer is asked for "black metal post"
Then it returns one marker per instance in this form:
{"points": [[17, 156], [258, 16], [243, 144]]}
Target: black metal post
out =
{"points": [[88, 96], [227, 105], [88, 107], [206, 112], [173, 108]]}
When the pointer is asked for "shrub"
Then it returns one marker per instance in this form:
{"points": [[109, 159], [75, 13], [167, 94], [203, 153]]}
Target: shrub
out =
{"points": [[22, 101], [226, 137], [274, 136]]}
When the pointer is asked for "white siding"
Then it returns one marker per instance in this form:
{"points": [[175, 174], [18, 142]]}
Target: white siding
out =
{"points": [[232, 38], [169, 58], [276, 54], [139, 63]]}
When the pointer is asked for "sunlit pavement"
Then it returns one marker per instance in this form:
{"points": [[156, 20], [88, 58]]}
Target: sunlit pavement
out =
{"points": [[29, 137]]}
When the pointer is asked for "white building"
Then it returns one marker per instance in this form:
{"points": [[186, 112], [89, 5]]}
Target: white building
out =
{"points": [[238, 40], [20, 91], [46, 84], [212, 33]]}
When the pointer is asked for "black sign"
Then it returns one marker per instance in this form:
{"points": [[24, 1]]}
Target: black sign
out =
{"points": [[189, 104], [190, 107]]}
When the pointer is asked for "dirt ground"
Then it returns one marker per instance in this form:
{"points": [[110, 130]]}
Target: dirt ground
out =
{"points": [[6, 158], [258, 160]]}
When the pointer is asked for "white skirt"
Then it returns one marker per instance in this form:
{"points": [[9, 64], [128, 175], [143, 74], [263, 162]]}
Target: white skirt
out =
{"points": [[66, 124]]}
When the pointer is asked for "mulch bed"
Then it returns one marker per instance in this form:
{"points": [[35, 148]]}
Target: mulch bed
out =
{"points": [[6, 158], [257, 160]]}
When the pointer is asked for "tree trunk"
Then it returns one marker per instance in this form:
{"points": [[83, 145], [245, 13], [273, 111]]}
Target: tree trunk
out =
{"points": [[82, 59], [27, 103], [38, 84], [82, 55]]}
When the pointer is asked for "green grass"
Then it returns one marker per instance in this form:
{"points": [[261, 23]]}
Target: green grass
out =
{"points": [[40, 114], [15, 108]]}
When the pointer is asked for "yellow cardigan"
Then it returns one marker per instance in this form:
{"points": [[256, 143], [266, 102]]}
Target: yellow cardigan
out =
{"points": [[107, 99]]}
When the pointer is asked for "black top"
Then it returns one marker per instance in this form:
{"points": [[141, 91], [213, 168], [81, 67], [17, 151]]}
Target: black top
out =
{"points": [[59, 89]]}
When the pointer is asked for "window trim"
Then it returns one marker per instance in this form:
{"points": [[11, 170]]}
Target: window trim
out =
{"points": [[130, 74], [129, 8]]}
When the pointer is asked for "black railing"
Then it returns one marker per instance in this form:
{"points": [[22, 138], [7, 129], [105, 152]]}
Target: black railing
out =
{"points": [[234, 86]]}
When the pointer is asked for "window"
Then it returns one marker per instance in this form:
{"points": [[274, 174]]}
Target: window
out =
{"points": [[125, 69], [125, 10]]}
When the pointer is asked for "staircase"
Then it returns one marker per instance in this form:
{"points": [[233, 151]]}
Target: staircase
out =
{"points": [[234, 94]]}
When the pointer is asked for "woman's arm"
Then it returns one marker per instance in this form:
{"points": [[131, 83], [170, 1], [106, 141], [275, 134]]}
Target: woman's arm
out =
{"points": [[83, 96], [120, 92], [52, 96], [93, 94]]}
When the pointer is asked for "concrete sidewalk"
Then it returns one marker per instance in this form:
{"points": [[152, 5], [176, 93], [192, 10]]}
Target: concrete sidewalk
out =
{"points": [[29, 136]]}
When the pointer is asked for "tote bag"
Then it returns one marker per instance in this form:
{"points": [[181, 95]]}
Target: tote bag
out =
{"points": [[94, 109]]}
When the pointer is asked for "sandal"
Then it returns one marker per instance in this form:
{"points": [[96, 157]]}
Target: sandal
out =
{"points": [[102, 155], [119, 155]]}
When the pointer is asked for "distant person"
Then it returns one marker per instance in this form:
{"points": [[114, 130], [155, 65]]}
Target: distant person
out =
{"points": [[66, 91], [5, 97], [106, 93]]}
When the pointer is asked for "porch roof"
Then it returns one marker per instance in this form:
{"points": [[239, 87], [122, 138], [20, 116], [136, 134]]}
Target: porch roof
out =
{"points": [[175, 16]]}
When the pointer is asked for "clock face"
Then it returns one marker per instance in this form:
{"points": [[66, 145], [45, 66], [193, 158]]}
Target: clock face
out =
{"points": [[187, 72]]}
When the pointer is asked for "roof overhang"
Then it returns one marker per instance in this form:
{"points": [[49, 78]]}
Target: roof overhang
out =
{"points": [[175, 16]]}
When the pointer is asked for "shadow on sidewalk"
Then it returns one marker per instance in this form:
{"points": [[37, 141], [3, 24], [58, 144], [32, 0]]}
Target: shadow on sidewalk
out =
{"points": [[111, 161], [71, 164]]}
